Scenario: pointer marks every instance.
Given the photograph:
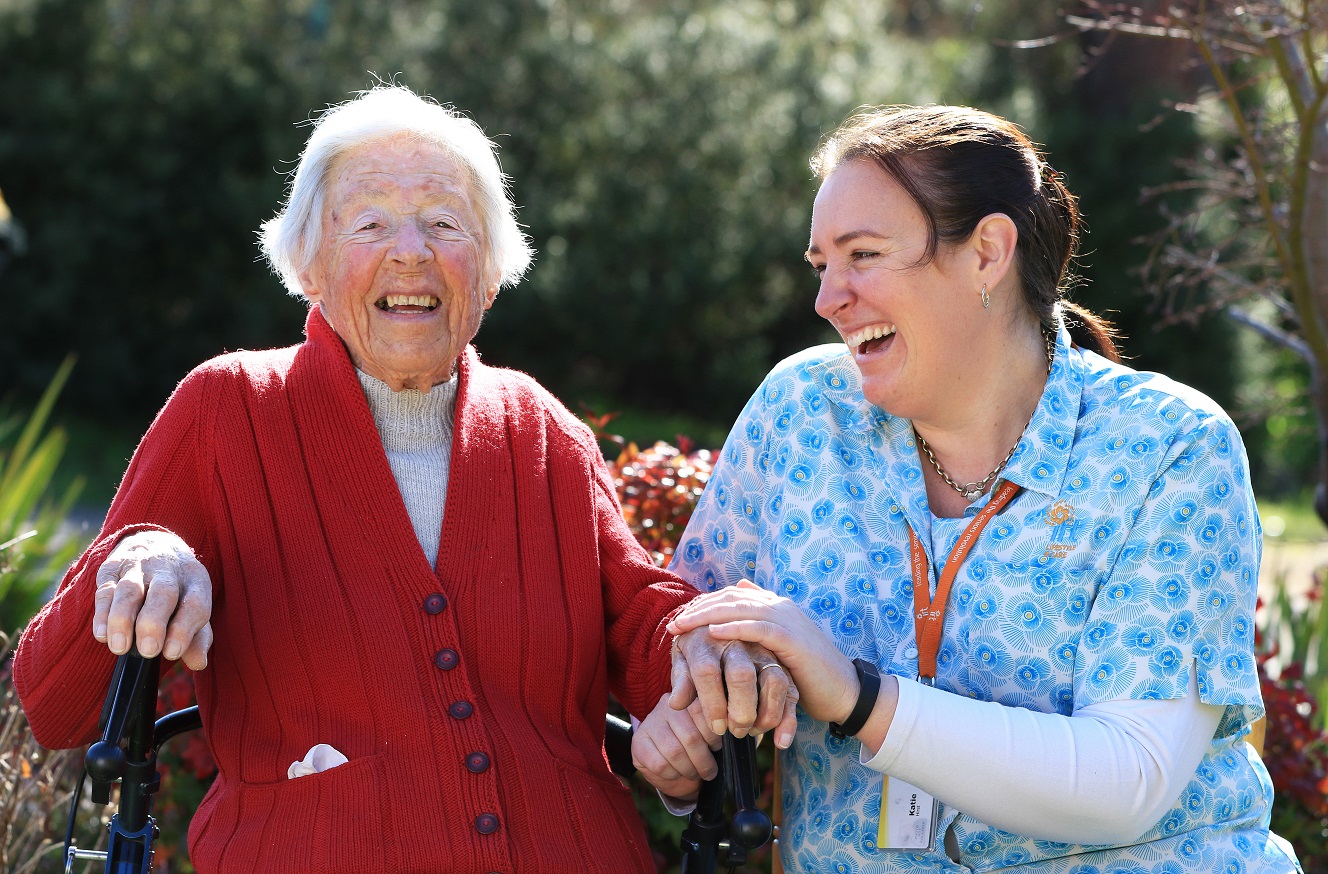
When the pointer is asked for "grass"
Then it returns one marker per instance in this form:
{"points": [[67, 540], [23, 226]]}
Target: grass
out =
{"points": [[1292, 519]]}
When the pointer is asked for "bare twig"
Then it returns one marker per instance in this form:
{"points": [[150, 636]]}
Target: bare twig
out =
{"points": [[1270, 332]]}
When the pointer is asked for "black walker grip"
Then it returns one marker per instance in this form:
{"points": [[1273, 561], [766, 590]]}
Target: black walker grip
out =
{"points": [[709, 840]]}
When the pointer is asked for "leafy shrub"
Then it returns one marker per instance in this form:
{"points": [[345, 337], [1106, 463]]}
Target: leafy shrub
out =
{"points": [[34, 551], [1295, 747], [187, 769], [1297, 636], [36, 785], [1296, 754], [658, 489]]}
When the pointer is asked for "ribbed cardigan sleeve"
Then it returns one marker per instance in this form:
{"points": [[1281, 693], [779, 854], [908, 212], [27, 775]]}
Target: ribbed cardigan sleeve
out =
{"points": [[638, 598], [639, 601], [61, 671]]}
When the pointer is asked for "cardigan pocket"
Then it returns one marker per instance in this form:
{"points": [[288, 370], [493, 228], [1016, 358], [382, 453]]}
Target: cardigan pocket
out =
{"points": [[601, 808], [330, 821]]}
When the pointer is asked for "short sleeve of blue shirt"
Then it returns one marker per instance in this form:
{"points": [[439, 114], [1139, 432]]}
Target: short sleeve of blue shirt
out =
{"points": [[1182, 589]]}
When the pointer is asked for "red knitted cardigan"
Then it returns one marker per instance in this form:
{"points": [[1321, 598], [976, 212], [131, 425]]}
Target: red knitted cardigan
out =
{"points": [[474, 721]]}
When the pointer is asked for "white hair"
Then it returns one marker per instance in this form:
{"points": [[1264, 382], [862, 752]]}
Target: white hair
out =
{"points": [[291, 239]]}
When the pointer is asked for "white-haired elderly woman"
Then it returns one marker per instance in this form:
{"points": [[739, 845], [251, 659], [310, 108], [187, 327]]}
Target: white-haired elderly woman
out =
{"points": [[413, 565]]}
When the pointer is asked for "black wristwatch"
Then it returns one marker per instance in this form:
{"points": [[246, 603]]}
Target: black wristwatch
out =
{"points": [[869, 686]]}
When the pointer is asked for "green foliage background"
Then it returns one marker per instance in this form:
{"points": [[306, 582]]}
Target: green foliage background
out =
{"points": [[658, 152], [34, 552]]}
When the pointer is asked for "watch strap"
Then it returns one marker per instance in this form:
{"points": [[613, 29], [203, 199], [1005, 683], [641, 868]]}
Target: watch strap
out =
{"points": [[869, 686]]}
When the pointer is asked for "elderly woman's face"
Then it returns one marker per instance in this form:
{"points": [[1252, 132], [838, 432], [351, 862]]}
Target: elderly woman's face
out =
{"points": [[399, 272]]}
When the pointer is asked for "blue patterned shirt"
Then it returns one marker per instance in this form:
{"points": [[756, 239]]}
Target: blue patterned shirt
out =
{"points": [[1131, 553]]}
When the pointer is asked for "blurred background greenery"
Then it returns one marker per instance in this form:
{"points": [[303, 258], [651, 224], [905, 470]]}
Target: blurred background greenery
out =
{"points": [[658, 152]]}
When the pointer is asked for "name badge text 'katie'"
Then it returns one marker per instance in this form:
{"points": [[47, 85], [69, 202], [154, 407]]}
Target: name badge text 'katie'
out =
{"points": [[908, 818]]}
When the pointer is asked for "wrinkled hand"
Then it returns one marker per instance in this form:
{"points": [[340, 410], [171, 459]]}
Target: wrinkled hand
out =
{"points": [[151, 589], [672, 749], [741, 687], [823, 675]]}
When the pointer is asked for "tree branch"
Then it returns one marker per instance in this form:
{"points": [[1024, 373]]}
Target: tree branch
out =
{"points": [[1286, 55], [1292, 266], [1120, 25], [1307, 31], [1271, 332], [1117, 24], [1207, 267], [1307, 214]]}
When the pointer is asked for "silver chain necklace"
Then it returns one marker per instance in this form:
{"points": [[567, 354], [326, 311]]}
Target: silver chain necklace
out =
{"points": [[972, 491]]}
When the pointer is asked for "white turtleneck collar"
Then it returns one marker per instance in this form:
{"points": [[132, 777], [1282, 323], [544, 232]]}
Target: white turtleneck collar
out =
{"points": [[416, 430]]}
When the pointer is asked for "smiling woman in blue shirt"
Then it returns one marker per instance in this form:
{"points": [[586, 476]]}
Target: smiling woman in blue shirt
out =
{"points": [[1013, 579]]}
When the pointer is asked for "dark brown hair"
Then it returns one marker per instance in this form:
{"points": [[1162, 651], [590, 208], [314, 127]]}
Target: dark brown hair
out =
{"points": [[960, 165]]}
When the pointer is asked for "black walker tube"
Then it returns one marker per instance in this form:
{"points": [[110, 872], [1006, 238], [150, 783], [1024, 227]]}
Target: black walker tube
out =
{"points": [[140, 780], [129, 715], [711, 840]]}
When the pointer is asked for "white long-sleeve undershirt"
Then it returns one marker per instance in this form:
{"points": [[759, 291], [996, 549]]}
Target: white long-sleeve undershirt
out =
{"points": [[1104, 775]]}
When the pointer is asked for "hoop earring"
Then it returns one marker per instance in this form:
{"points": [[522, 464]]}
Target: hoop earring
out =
{"points": [[986, 299]]}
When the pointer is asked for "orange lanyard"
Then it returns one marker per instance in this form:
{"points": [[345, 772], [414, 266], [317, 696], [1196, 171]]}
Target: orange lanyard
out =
{"points": [[929, 612]]}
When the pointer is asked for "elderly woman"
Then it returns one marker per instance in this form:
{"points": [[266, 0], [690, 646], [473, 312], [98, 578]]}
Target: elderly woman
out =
{"points": [[410, 562], [1013, 579]]}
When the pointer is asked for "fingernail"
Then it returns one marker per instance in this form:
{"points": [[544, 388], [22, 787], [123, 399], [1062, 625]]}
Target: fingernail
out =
{"points": [[148, 646], [173, 650], [784, 741], [718, 726], [99, 632], [119, 644], [739, 732]]}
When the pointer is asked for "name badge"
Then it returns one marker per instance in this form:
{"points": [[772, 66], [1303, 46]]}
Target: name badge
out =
{"points": [[908, 818]]}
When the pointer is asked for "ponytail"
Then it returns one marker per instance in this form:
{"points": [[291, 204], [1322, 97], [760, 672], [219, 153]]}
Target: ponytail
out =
{"points": [[1089, 330]]}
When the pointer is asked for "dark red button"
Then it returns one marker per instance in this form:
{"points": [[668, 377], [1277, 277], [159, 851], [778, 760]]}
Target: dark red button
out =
{"points": [[434, 604], [477, 763], [461, 710], [486, 823], [447, 659]]}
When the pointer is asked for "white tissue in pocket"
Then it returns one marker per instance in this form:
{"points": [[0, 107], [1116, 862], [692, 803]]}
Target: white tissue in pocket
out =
{"points": [[320, 758]]}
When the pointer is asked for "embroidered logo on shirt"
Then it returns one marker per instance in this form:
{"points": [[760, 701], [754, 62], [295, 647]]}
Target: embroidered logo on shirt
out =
{"points": [[1060, 518]]}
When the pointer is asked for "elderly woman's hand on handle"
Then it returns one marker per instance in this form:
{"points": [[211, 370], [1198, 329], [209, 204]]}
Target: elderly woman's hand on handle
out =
{"points": [[741, 687], [152, 589], [826, 682], [718, 686]]}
